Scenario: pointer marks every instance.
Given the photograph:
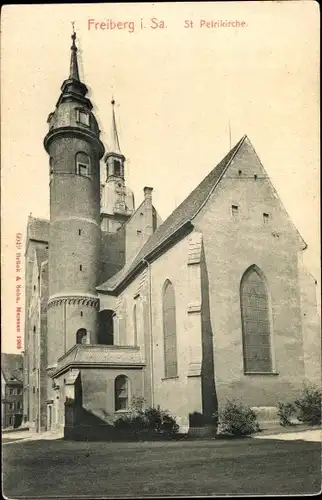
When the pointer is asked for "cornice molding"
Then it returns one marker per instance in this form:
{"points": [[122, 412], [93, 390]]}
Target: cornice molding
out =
{"points": [[74, 300], [70, 131], [94, 365]]}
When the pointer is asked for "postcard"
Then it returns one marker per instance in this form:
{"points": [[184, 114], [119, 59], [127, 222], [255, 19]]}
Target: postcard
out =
{"points": [[160, 249]]}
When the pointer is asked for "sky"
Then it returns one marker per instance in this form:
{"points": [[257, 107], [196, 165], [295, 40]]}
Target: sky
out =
{"points": [[188, 82]]}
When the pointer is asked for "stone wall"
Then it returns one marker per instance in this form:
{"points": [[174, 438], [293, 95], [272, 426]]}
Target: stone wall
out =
{"points": [[233, 243]]}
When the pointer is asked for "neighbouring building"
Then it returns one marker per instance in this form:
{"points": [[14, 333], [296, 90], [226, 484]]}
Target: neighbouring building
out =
{"points": [[11, 390], [211, 304]]}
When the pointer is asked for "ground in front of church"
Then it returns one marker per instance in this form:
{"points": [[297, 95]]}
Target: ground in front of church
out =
{"points": [[270, 464]]}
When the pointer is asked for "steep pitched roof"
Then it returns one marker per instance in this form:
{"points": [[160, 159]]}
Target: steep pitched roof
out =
{"points": [[12, 366], [182, 214]]}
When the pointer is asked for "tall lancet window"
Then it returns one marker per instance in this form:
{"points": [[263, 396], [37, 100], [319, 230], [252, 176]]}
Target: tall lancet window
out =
{"points": [[135, 325], [256, 325], [169, 330]]}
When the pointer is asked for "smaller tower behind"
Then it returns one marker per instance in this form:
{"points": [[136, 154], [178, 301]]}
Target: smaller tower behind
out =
{"points": [[117, 200]]}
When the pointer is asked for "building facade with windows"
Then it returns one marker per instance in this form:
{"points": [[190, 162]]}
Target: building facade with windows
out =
{"points": [[211, 304], [11, 390]]}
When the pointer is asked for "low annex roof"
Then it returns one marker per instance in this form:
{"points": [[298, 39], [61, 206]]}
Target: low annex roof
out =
{"points": [[184, 213]]}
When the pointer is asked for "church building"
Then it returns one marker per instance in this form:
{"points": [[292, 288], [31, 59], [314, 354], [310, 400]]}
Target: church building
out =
{"points": [[212, 304]]}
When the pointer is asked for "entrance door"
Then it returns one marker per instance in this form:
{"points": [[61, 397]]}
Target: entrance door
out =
{"points": [[50, 416]]}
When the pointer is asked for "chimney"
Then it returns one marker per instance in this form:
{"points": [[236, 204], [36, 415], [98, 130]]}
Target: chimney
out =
{"points": [[148, 192], [148, 221]]}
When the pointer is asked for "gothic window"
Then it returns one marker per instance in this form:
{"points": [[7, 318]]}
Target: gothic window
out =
{"points": [[82, 164], [255, 322], [82, 117], [81, 336], [121, 393], [135, 325], [169, 331], [34, 346]]}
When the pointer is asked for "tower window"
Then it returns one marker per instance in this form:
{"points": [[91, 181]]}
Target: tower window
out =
{"points": [[82, 169], [234, 210], [239, 172], [81, 336], [80, 267], [255, 177], [81, 313], [79, 232], [117, 168], [82, 117], [82, 164], [265, 218]]}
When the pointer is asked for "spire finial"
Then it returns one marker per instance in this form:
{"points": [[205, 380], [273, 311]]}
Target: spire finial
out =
{"points": [[74, 73], [115, 146]]}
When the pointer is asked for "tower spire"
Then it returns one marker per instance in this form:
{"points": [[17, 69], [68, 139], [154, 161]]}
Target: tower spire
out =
{"points": [[115, 144], [73, 73]]}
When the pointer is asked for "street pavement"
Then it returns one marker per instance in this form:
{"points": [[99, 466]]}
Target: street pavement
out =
{"points": [[314, 435], [46, 466]]}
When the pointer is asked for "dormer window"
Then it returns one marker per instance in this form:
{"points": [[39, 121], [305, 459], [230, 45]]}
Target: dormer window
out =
{"points": [[82, 117], [83, 164]]}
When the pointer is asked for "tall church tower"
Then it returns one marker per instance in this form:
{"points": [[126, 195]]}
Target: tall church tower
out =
{"points": [[75, 150], [117, 198]]}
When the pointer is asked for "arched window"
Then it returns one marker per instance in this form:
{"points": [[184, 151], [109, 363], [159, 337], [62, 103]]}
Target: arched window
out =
{"points": [[83, 164], [135, 325], [169, 331], [121, 390], [117, 168], [34, 346], [81, 336], [106, 327], [255, 311]]}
